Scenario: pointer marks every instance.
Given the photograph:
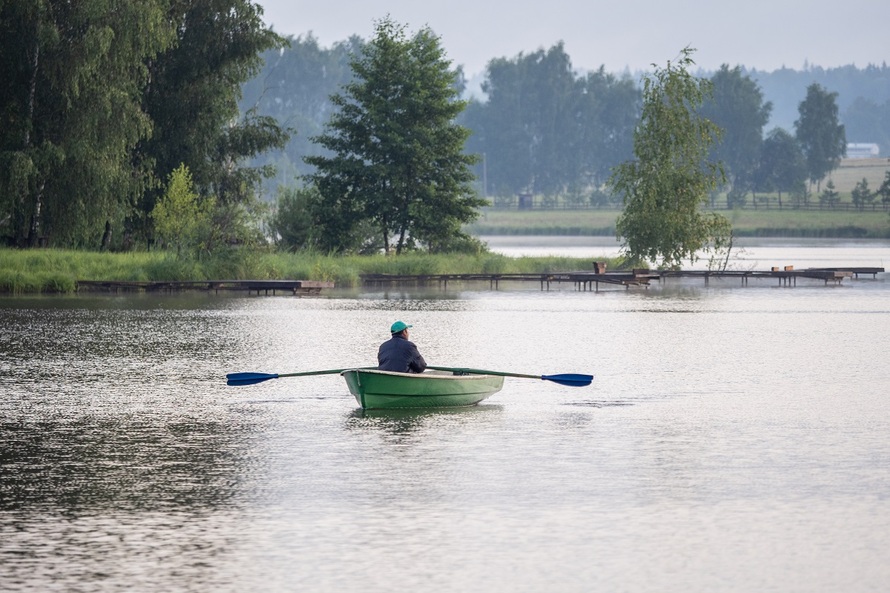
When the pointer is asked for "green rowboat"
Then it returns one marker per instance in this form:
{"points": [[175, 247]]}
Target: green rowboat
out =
{"points": [[375, 389]]}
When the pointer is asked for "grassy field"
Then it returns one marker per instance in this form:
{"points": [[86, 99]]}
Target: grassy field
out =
{"points": [[788, 222], [745, 223], [852, 171]]}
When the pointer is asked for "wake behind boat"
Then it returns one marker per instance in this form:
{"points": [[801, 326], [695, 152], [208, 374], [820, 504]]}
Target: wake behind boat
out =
{"points": [[374, 389]]}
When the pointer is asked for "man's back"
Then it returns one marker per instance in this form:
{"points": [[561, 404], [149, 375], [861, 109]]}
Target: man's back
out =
{"points": [[400, 355]]}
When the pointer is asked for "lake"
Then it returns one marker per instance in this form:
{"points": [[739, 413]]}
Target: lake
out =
{"points": [[734, 439], [747, 253]]}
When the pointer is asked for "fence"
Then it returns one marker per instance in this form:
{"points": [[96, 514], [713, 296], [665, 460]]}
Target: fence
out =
{"points": [[766, 203]]}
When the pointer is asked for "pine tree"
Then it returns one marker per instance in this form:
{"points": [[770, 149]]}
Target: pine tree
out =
{"points": [[397, 154]]}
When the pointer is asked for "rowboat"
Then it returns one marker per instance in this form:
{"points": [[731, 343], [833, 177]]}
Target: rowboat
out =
{"points": [[374, 389]]}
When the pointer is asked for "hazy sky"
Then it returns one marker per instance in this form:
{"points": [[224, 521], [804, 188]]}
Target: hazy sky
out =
{"points": [[762, 34]]}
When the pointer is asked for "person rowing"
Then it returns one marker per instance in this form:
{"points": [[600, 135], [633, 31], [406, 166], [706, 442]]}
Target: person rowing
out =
{"points": [[399, 354]]}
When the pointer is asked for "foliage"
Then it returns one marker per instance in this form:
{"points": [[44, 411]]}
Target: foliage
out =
{"points": [[737, 107], [830, 195], [70, 114], [867, 120], [862, 195], [397, 155], [664, 188], [782, 165], [193, 101], [294, 87], [295, 84], [53, 270], [101, 100], [884, 190], [291, 224], [821, 136], [544, 130], [862, 97], [182, 218]]}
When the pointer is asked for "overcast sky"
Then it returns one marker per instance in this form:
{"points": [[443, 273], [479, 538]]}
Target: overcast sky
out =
{"points": [[761, 34]]}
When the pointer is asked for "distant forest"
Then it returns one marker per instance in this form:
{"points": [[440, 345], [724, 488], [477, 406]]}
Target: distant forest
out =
{"points": [[295, 84], [863, 98]]}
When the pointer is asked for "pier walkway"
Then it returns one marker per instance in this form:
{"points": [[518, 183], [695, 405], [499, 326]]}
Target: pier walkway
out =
{"points": [[294, 287], [587, 281]]}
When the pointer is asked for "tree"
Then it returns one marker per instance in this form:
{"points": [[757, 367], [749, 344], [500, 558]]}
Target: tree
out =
{"points": [[737, 106], [101, 100], [782, 165], [830, 195], [868, 121], [671, 177], [291, 224], [606, 112], [397, 153], [192, 100], [884, 190], [821, 136], [522, 126], [294, 87], [862, 195], [182, 218], [70, 115], [545, 130]]}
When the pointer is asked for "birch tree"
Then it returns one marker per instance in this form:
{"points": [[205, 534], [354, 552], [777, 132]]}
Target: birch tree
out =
{"points": [[669, 181]]}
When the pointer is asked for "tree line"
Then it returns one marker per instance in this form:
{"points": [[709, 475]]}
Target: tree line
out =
{"points": [[121, 125], [863, 97], [103, 100], [544, 129]]}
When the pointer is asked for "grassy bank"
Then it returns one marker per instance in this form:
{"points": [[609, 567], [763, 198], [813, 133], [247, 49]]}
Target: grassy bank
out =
{"points": [[57, 271], [745, 223]]}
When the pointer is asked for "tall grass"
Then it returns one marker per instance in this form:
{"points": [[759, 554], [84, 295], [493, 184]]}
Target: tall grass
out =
{"points": [[56, 270]]}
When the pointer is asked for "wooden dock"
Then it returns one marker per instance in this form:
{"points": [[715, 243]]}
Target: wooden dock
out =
{"points": [[583, 280], [590, 281], [267, 287]]}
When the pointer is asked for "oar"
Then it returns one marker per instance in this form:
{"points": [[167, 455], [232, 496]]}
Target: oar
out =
{"points": [[251, 378], [569, 379]]}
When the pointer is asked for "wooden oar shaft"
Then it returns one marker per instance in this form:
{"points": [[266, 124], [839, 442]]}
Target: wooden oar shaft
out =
{"points": [[327, 372], [572, 380], [483, 372], [254, 378]]}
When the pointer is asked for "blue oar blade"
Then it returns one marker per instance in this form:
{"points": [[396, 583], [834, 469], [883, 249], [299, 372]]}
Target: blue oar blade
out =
{"points": [[248, 378], [570, 379]]}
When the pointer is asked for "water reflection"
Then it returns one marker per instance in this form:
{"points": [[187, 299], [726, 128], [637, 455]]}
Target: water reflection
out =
{"points": [[92, 465], [744, 443], [596, 403], [408, 422]]}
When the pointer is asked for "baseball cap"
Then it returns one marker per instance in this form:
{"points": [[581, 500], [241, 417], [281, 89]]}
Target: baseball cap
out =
{"points": [[398, 326]]}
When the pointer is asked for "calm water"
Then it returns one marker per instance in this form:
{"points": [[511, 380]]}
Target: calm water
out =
{"points": [[734, 439], [747, 254]]}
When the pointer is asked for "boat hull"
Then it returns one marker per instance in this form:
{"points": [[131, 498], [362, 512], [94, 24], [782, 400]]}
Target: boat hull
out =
{"points": [[378, 390]]}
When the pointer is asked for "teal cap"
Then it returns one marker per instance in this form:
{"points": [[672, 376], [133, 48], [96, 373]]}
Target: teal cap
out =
{"points": [[398, 326]]}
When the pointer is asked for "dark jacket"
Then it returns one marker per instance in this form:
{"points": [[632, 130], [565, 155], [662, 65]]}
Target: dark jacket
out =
{"points": [[400, 355]]}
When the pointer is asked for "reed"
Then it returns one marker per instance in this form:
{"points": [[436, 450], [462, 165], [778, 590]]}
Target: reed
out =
{"points": [[57, 271]]}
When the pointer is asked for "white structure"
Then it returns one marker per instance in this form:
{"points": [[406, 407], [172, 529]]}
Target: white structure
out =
{"points": [[862, 150]]}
